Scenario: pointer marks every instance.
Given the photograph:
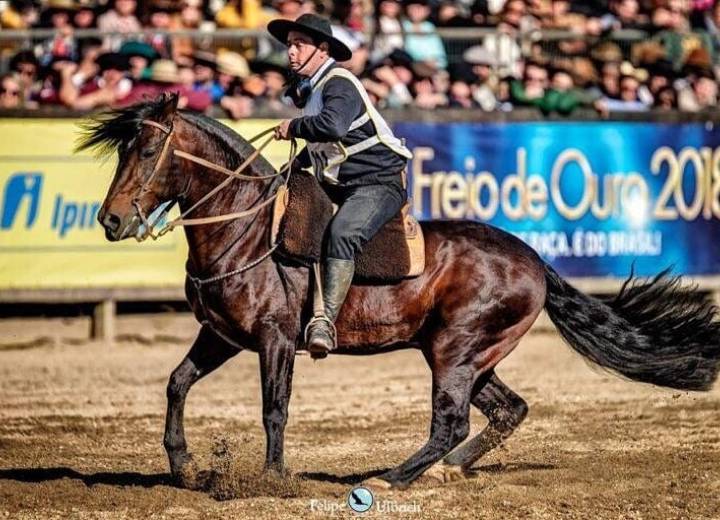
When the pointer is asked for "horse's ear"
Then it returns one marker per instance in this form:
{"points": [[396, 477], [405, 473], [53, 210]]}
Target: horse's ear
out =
{"points": [[170, 101]]}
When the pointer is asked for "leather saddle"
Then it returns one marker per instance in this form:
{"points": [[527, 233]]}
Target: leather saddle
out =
{"points": [[302, 212]]}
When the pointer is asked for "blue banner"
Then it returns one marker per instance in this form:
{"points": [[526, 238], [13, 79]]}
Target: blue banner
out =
{"points": [[591, 198]]}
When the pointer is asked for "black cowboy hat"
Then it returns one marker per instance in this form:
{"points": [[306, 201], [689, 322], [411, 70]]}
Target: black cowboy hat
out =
{"points": [[314, 26], [113, 61], [662, 67]]}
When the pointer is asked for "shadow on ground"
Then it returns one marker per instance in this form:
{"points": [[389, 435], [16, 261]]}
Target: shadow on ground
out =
{"points": [[37, 475]]}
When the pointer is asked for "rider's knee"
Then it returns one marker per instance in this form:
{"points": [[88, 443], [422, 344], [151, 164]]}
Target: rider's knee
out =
{"points": [[344, 245]]}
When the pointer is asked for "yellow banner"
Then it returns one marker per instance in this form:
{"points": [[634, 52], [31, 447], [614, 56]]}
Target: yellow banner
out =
{"points": [[49, 200]]}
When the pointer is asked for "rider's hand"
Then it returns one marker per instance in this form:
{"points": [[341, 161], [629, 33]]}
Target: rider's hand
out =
{"points": [[282, 132]]}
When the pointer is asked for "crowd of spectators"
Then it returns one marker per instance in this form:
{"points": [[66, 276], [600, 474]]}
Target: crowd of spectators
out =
{"points": [[554, 55]]}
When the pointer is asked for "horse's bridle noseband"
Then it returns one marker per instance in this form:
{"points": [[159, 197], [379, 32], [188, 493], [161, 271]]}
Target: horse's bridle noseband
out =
{"points": [[169, 131], [181, 220]]}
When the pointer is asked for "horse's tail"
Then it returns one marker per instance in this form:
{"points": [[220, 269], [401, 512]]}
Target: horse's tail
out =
{"points": [[659, 332]]}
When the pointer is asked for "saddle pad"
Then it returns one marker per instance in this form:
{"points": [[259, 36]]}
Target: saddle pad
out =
{"points": [[302, 213]]}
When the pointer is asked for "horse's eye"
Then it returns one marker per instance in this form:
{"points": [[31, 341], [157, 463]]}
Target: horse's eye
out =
{"points": [[147, 154]]}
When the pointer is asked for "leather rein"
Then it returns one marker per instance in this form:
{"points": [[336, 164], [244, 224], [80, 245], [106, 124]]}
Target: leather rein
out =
{"points": [[231, 174]]}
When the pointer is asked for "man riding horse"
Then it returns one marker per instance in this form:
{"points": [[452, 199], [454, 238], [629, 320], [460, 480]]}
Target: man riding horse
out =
{"points": [[352, 151]]}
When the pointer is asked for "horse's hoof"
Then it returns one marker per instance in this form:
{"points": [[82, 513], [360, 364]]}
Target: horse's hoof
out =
{"points": [[444, 473], [187, 475], [377, 484], [274, 473]]}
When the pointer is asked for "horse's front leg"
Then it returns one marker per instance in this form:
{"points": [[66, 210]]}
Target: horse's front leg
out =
{"points": [[207, 353], [277, 361]]}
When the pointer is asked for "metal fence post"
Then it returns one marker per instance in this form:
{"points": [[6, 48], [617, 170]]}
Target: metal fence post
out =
{"points": [[103, 323]]}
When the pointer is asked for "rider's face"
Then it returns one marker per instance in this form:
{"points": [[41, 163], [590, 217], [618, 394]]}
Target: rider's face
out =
{"points": [[301, 49]]}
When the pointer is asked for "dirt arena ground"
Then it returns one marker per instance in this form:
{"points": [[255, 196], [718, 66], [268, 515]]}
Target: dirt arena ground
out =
{"points": [[81, 434]]}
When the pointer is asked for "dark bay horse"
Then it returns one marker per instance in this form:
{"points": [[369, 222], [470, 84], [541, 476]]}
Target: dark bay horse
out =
{"points": [[481, 291]]}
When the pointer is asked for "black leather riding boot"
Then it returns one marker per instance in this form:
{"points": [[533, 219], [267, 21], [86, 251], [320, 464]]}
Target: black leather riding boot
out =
{"points": [[337, 278]]}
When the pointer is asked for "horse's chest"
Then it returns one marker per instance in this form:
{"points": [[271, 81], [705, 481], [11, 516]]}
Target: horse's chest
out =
{"points": [[223, 307]]}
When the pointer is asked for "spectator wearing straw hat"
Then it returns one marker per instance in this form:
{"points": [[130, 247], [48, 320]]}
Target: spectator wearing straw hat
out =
{"points": [[233, 70], [483, 65]]}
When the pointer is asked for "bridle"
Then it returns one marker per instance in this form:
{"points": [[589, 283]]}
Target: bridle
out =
{"points": [[236, 174]]}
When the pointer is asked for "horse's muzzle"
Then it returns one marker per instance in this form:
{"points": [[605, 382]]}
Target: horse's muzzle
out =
{"points": [[117, 228]]}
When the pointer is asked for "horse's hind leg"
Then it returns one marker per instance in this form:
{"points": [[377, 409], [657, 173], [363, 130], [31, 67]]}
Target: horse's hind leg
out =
{"points": [[452, 388], [207, 353], [505, 411]]}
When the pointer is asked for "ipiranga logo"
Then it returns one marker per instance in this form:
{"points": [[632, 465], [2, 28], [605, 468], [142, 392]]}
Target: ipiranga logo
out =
{"points": [[26, 205], [21, 188]]}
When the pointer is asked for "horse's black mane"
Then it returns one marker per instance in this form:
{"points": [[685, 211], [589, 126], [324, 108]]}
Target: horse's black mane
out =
{"points": [[117, 130], [233, 146]]}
